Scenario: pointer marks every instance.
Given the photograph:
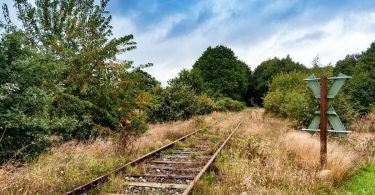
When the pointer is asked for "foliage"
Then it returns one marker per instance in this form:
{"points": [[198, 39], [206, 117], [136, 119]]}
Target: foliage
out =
{"points": [[144, 80], [206, 105], [346, 65], [264, 73], [173, 103], [290, 97], [362, 87], [65, 79], [219, 74], [191, 78], [222, 73], [180, 102], [24, 104], [225, 104]]}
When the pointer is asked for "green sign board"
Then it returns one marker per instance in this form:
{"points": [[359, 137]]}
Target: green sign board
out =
{"points": [[333, 118]]}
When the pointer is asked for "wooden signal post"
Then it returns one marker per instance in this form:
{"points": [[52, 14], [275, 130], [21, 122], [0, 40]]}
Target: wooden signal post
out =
{"points": [[327, 112], [323, 121]]}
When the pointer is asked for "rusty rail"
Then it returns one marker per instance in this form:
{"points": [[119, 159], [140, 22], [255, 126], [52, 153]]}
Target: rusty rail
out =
{"points": [[101, 179], [208, 164]]}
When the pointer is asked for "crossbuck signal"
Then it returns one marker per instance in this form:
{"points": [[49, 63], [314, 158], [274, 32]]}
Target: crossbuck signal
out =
{"points": [[334, 119], [319, 123]]}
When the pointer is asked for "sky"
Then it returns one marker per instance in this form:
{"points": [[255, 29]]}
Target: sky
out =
{"points": [[172, 34]]}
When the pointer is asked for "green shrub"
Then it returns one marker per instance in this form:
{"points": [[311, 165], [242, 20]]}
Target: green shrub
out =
{"points": [[205, 105], [138, 123], [227, 103], [174, 103], [73, 118], [179, 102], [298, 108], [273, 102], [24, 102], [290, 97]]}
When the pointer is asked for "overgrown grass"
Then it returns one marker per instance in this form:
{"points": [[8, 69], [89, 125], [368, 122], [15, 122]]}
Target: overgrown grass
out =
{"points": [[75, 163], [266, 156]]}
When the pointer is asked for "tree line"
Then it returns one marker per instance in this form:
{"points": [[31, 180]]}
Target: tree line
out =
{"points": [[59, 77]]}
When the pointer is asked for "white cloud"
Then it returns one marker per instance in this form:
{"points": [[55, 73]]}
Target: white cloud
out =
{"points": [[337, 38], [331, 39], [252, 36]]}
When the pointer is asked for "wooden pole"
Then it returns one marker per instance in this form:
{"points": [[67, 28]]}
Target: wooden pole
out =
{"points": [[323, 121]]}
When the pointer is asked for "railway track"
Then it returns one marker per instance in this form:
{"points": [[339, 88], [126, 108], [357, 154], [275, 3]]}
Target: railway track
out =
{"points": [[171, 169]]}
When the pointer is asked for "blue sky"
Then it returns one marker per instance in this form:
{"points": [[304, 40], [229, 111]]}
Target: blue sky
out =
{"points": [[172, 34]]}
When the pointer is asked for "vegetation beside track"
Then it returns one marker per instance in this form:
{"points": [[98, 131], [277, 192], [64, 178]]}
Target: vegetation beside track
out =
{"points": [[267, 156], [74, 163]]}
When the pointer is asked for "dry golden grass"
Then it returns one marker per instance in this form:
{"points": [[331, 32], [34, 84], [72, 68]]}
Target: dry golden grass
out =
{"points": [[266, 156], [365, 124], [60, 170], [74, 163], [340, 158]]}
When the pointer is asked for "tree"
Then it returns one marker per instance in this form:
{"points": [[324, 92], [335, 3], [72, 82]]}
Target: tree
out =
{"points": [[346, 65], [24, 99], [362, 87], [77, 32], [189, 77], [264, 73], [65, 78], [223, 74], [145, 80]]}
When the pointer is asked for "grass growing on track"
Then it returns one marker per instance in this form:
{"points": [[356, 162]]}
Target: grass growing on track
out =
{"points": [[75, 163], [264, 156]]}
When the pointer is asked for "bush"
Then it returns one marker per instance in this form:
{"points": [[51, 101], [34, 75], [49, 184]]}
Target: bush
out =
{"points": [[273, 101], [299, 108], [138, 124], [179, 102], [290, 97], [206, 105], [24, 102], [174, 103], [226, 104]]}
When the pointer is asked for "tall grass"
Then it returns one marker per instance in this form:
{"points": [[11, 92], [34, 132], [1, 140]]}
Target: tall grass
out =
{"points": [[75, 163], [267, 156], [340, 158]]}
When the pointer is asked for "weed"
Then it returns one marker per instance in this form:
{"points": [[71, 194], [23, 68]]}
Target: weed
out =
{"points": [[134, 170], [209, 177], [194, 155], [204, 130]]}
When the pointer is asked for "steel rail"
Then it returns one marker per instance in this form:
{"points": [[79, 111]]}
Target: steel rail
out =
{"points": [[101, 179], [208, 164]]}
